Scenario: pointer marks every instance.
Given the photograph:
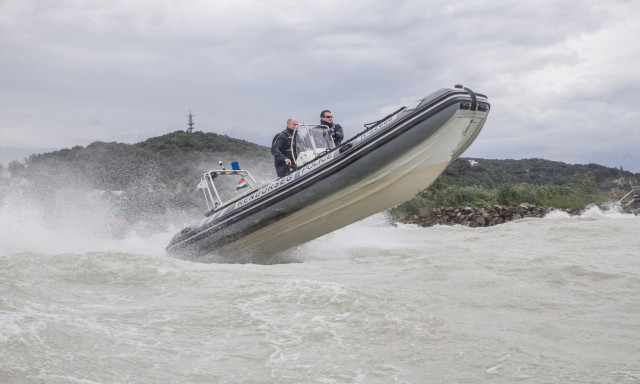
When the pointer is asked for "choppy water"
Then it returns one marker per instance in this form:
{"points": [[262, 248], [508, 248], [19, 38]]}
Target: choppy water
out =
{"points": [[553, 300]]}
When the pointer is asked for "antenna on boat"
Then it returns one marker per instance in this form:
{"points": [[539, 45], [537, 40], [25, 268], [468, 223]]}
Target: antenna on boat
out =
{"points": [[191, 123]]}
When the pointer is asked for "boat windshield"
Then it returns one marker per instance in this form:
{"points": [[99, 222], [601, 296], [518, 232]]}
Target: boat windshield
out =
{"points": [[310, 141]]}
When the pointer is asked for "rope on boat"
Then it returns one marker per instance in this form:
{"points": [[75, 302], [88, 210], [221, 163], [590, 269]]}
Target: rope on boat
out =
{"points": [[371, 125]]}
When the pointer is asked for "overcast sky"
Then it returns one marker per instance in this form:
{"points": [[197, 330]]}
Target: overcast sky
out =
{"points": [[562, 76]]}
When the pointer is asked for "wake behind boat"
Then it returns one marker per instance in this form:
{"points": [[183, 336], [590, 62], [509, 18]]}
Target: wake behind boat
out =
{"points": [[331, 187]]}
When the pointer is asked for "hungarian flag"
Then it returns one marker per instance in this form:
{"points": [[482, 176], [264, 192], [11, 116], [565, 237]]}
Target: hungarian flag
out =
{"points": [[242, 184]]}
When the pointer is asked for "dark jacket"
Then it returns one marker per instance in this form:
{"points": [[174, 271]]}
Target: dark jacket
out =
{"points": [[338, 133], [281, 150]]}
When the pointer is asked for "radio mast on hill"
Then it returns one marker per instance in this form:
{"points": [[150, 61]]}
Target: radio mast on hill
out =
{"points": [[191, 123]]}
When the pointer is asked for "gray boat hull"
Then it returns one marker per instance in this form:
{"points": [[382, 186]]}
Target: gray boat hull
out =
{"points": [[381, 167]]}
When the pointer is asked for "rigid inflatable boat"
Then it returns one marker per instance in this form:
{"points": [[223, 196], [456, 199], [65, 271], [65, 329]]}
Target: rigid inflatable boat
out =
{"points": [[330, 187]]}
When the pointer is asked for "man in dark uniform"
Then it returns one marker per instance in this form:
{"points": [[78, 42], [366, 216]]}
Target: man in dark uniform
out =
{"points": [[335, 130], [281, 148]]}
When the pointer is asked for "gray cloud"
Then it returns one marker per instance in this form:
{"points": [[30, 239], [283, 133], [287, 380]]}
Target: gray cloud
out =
{"points": [[560, 77]]}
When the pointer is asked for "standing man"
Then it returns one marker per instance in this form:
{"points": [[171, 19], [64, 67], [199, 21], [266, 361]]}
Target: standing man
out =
{"points": [[335, 130], [281, 148]]}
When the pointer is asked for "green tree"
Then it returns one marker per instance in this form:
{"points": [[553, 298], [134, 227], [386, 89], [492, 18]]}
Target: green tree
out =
{"points": [[507, 194], [16, 168]]}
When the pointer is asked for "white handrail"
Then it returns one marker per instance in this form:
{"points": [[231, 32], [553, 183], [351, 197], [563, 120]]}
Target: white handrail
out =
{"points": [[208, 178]]}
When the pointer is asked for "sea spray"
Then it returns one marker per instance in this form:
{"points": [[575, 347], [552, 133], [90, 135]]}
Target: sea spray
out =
{"points": [[533, 300]]}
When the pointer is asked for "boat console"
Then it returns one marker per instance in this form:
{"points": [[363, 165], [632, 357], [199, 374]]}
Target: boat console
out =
{"points": [[310, 141]]}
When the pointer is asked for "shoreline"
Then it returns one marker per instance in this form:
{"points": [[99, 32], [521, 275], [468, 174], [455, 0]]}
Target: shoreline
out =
{"points": [[483, 217]]}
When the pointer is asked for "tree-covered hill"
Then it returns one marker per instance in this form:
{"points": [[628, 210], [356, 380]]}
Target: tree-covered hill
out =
{"points": [[172, 159], [181, 157], [482, 182], [490, 174], [135, 183], [161, 173]]}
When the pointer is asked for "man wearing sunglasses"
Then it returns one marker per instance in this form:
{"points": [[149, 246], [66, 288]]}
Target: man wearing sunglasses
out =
{"points": [[335, 130]]}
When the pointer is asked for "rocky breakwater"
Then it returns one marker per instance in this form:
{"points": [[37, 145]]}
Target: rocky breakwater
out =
{"points": [[483, 217]]}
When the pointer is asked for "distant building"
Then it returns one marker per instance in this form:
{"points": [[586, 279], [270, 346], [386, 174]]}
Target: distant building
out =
{"points": [[473, 162]]}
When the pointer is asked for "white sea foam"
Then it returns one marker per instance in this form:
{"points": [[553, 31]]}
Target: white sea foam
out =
{"points": [[26, 227], [534, 300]]}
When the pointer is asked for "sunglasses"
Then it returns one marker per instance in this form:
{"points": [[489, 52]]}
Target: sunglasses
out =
{"points": [[328, 117]]}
